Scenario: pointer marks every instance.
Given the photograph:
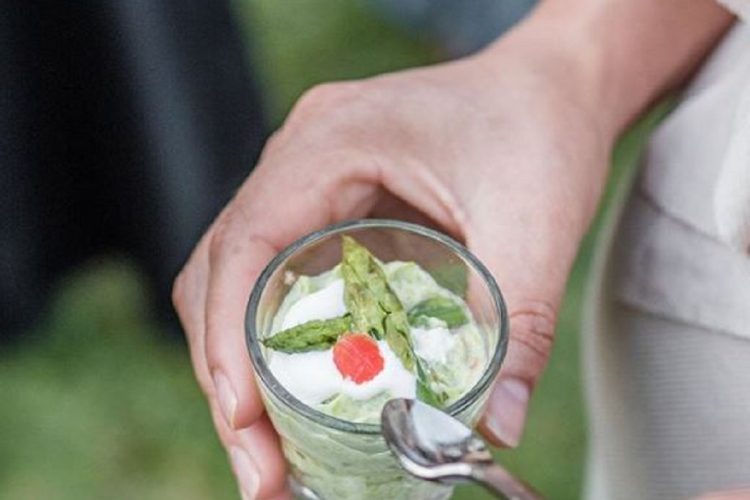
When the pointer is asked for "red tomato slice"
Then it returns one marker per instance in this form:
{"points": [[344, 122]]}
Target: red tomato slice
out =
{"points": [[357, 357]]}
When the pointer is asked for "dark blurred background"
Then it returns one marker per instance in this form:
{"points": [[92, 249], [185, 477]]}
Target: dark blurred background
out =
{"points": [[124, 127]]}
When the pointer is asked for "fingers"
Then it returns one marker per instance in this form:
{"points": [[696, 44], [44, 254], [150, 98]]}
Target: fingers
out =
{"points": [[278, 204], [743, 494], [254, 452], [532, 292], [256, 458], [189, 299], [262, 445], [234, 267], [531, 336], [272, 210]]}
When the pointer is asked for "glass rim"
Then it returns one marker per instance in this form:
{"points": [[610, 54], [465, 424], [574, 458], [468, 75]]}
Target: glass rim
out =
{"points": [[279, 391]]}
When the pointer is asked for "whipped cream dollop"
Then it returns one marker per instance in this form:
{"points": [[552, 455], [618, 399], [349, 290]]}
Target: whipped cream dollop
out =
{"points": [[312, 377], [326, 303], [433, 344], [394, 379]]}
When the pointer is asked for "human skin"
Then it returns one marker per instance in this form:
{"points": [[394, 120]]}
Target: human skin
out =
{"points": [[728, 495], [506, 150]]}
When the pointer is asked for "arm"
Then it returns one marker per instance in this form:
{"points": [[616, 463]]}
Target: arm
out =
{"points": [[608, 60], [534, 117], [629, 53]]}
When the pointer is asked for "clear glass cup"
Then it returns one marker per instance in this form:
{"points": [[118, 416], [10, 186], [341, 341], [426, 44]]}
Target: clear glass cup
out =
{"points": [[330, 458]]}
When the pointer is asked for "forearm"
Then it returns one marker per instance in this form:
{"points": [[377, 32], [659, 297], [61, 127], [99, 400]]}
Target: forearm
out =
{"points": [[621, 55], [595, 65]]}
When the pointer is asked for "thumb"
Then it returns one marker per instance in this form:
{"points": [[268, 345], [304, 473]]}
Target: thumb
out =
{"points": [[532, 281], [743, 494], [529, 346]]}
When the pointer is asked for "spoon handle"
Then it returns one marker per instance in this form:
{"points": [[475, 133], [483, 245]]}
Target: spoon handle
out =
{"points": [[500, 482]]}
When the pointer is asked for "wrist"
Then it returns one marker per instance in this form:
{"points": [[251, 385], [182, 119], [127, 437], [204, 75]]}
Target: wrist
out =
{"points": [[563, 67], [612, 59], [563, 110]]}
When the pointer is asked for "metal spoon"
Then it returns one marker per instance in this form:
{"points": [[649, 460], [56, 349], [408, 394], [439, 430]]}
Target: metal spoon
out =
{"points": [[432, 445]]}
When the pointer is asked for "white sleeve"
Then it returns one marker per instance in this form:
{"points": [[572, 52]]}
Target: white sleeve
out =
{"points": [[739, 7]]}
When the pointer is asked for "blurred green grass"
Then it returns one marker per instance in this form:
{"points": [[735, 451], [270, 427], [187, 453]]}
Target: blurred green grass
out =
{"points": [[97, 404]]}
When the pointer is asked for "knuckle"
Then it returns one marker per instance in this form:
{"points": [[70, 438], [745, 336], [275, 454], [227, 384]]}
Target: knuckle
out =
{"points": [[222, 238], [532, 324], [178, 290], [205, 384], [231, 235], [325, 97], [319, 92], [273, 144], [327, 93]]}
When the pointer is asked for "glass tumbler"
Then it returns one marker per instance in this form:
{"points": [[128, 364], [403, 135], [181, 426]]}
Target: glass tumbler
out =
{"points": [[333, 459]]}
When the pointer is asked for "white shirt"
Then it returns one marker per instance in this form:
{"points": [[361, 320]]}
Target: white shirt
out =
{"points": [[739, 7], [699, 158]]}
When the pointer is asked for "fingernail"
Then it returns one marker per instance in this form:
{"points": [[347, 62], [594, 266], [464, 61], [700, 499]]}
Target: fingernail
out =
{"points": [[506, 410], [226, 396], [246, 471]]}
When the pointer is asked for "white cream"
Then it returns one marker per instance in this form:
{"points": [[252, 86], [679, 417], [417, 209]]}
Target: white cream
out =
{"points": [[326, 303], [312, 377], [394, 379], [433, 344]]}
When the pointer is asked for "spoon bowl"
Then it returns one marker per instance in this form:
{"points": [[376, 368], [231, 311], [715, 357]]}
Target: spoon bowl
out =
{"points": [[434, 446]]}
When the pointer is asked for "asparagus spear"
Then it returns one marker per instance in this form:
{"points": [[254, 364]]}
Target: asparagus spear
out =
{"points": [[315, 335], [364, 285], [377, 310]]}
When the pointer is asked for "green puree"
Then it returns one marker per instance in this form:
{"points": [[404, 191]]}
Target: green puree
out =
{"points": [[389, 301]]}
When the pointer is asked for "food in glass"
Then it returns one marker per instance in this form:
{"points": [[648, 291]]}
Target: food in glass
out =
{"points": [[358, 314]]}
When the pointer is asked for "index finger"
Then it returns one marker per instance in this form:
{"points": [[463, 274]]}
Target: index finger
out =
{"points": [[274, 208]]}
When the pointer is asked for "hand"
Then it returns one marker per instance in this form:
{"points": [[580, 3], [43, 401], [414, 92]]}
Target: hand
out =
{"points": [[727, 495], [485, 148], [506, 151]]}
